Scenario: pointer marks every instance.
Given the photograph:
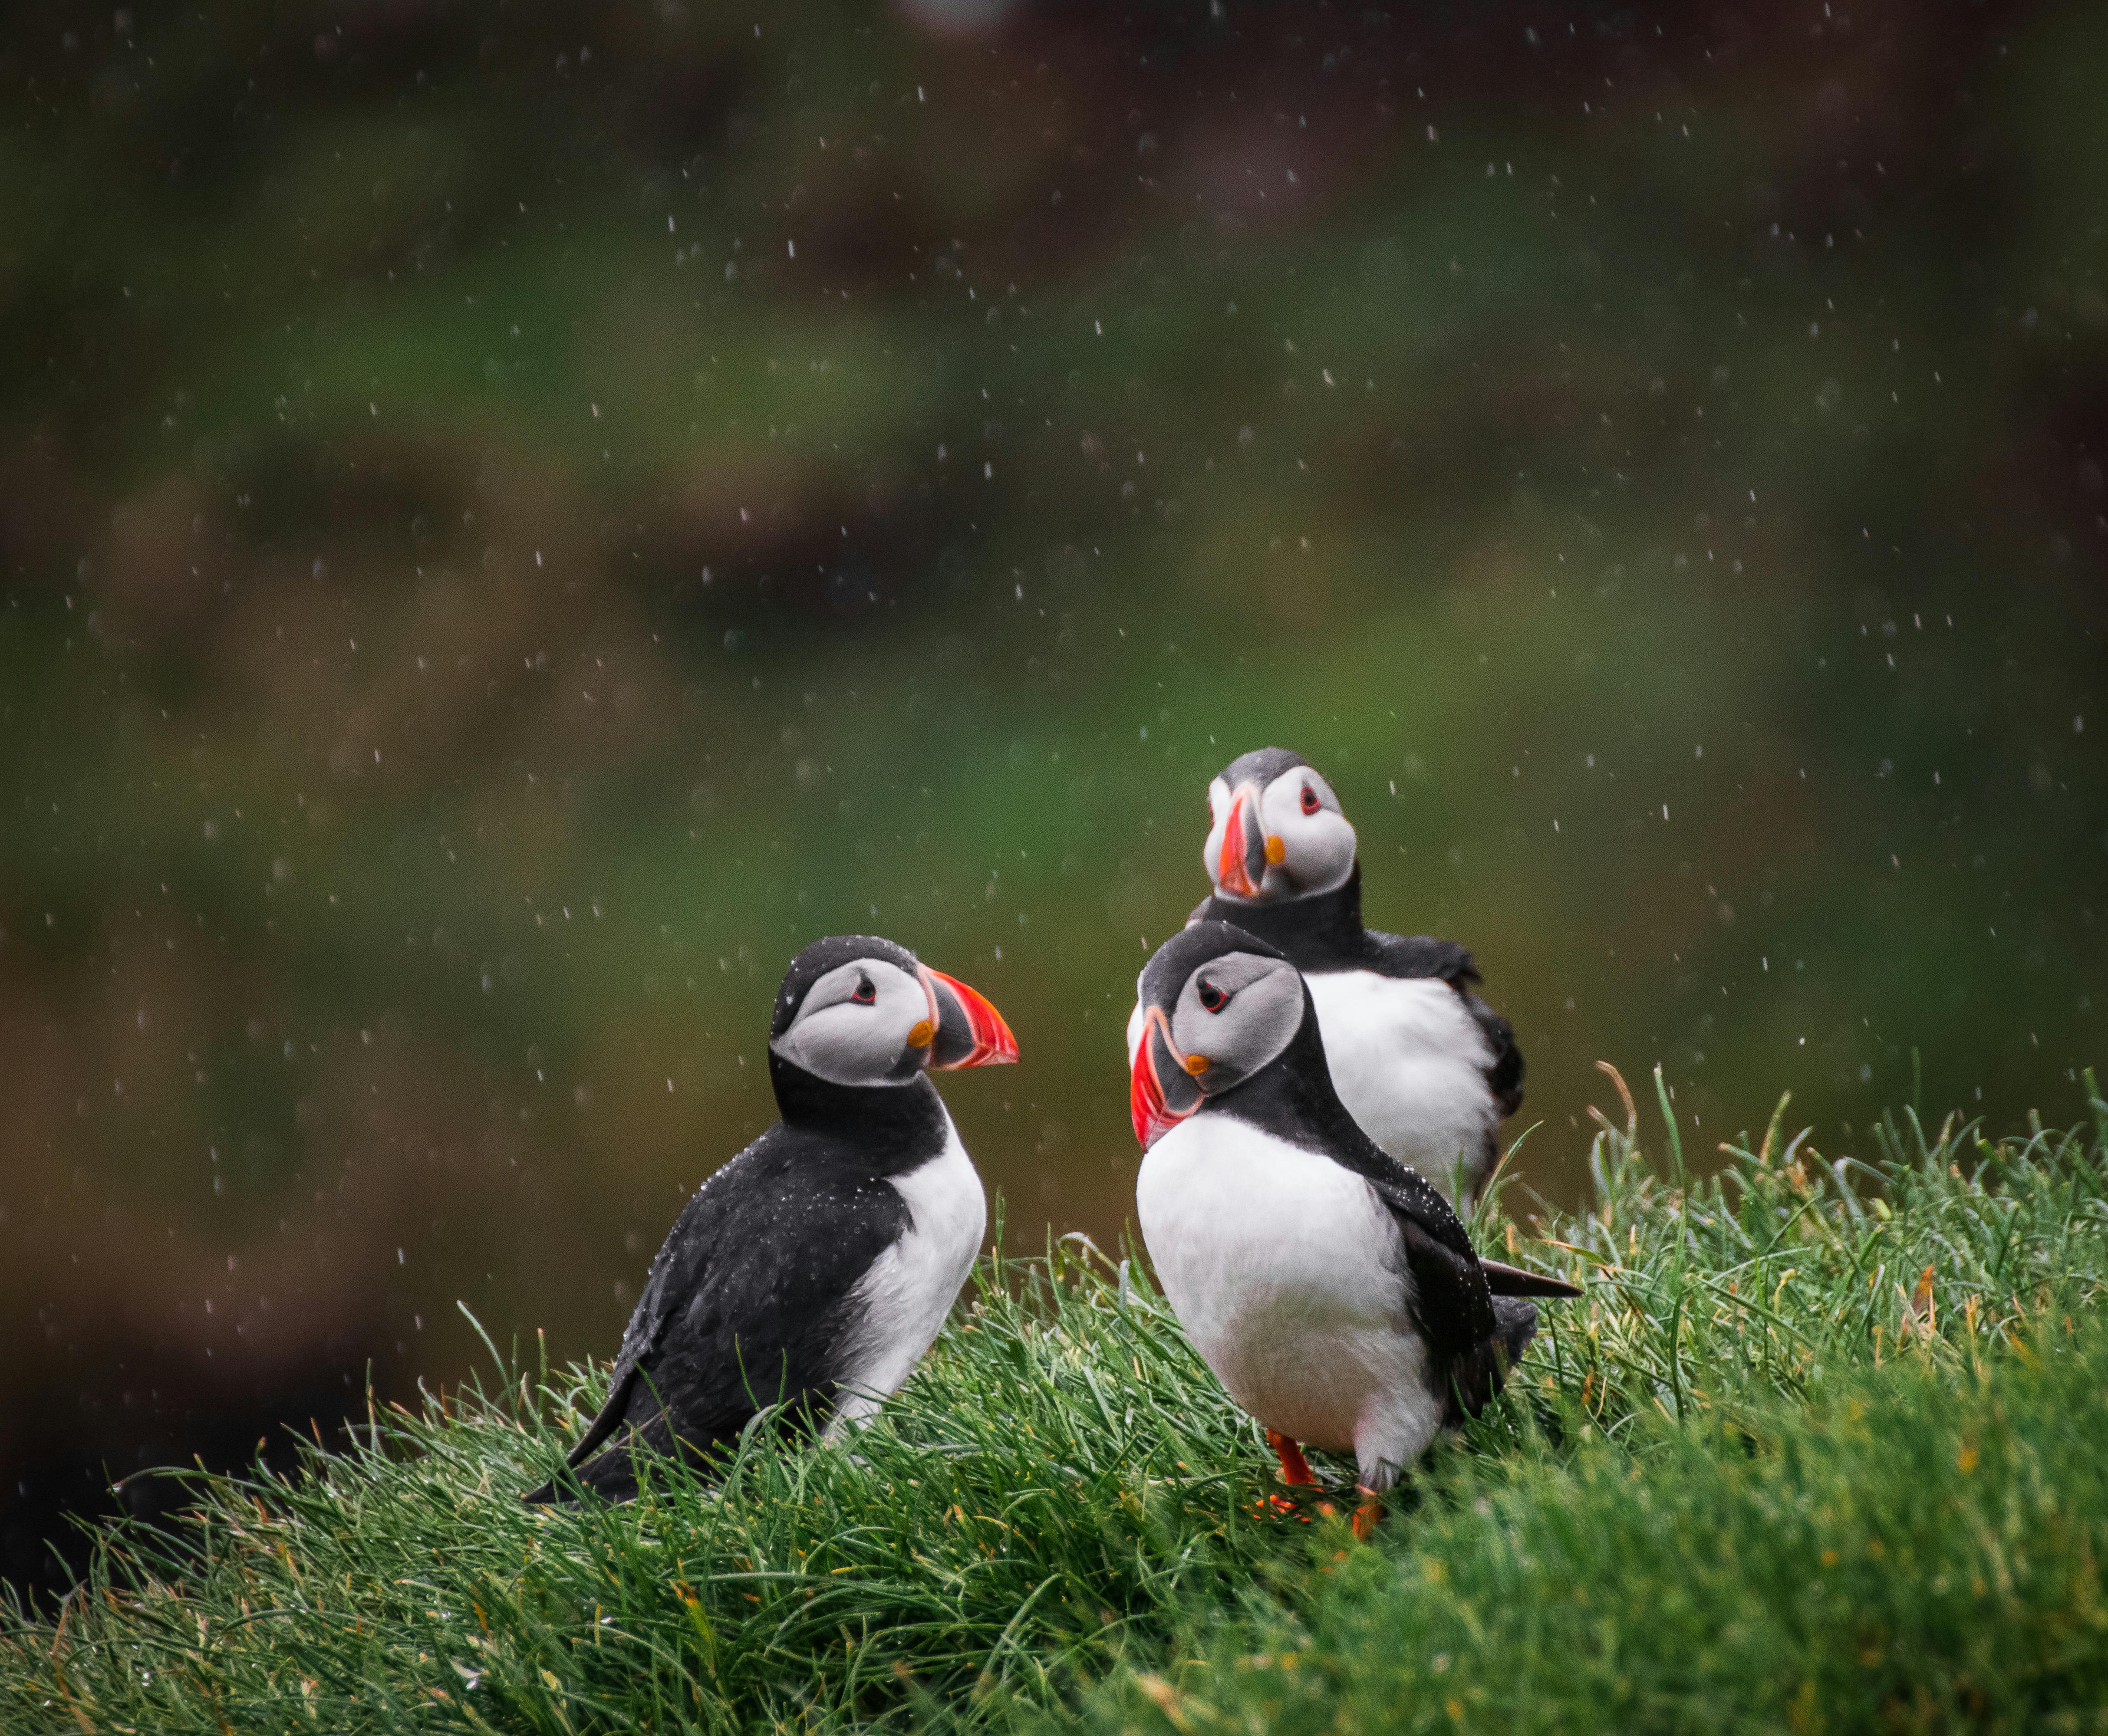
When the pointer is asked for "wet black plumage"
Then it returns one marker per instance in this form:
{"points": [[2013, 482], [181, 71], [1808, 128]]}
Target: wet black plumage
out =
{"points": [[749, 1302]]}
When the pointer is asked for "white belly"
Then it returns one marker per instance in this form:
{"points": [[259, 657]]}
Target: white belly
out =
{"points": [[1287, 1273], [1409, 1061], [908, 1290]]}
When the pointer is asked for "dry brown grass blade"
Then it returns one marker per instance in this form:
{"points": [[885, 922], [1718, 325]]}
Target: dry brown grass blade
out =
{"points": [[1632, 1110]]}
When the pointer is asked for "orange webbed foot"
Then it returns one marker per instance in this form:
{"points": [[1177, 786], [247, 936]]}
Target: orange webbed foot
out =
{"points": [[1369, 1514], [1294, 1467]]}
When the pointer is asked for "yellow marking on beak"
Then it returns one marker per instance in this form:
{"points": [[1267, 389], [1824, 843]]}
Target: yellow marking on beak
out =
{"points": [[1276, 850], [1197, 1064], [919, 1036]]}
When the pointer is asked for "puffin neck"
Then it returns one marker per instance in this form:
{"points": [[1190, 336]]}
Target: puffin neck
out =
{"points": [[1322, 932], [1292, 1096], [894, 1127]]}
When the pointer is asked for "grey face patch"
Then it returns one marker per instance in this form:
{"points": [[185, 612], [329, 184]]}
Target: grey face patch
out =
{"points": [[1239, 1011], [854, 1023]]}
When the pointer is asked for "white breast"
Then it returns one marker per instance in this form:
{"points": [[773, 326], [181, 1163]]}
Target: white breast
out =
{"points": [[904, 1298], [1287, 1272], [1409, 1061]]}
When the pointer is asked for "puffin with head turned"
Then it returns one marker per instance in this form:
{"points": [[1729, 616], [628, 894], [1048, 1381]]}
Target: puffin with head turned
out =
{"points": [[1426, 1066], [815, 1268], [1334, 1293]]}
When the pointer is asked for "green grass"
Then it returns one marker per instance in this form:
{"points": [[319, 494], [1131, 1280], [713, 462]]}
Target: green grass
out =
{"points": [[1767, 1474], [1920, 1548]]}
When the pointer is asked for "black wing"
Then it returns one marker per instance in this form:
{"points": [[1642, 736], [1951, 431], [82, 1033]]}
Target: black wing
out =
{"points": [[1504, 1077], [676, 1274], [1469, 1342], [1456, 1313], [1473, 1312], [743, 1305], [1424, 956]]}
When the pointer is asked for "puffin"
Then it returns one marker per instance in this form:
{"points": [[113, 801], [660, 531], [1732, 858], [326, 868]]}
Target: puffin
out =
{"points": [[814, 1269], [1335, 1294], [1424, 1065]]}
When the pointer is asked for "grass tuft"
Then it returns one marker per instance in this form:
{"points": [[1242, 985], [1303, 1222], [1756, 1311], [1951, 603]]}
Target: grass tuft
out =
{"points": [[1820, 1443]]}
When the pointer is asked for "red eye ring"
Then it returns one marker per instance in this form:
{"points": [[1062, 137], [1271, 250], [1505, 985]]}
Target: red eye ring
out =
{"points": [[865, 994], [1309, 800], [1213, 1000]]}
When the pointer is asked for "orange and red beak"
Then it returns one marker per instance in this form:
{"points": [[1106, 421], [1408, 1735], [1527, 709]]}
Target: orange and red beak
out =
{"points": [[1161, 1090], [966, 1029], [1241, 865]]}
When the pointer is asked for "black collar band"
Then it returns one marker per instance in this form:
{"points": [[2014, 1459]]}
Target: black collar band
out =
{"points": [[1292, 1098], [895, 1127], [1322, 932]]}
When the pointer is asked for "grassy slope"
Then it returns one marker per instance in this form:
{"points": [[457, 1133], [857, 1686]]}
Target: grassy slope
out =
{"points": [[1920, 1550], [1767, 1475]]}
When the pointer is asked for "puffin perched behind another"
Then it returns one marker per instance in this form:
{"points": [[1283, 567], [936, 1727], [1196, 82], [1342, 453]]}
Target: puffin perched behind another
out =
{"points": [[1426, 1066], [1333, 1293], [817, 1267]]}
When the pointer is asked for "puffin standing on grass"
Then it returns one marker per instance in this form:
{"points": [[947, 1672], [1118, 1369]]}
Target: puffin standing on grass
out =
{"points": [[1333, 1293], [814, 1269], [1426, 1066]]}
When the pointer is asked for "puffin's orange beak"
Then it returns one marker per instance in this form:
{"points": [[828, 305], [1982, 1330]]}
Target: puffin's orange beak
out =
{"points": [[1242, 865], [1157, 1073], [966, 1031]]}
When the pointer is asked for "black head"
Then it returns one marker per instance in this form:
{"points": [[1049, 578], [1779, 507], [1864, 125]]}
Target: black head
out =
{"points": [[1219, 1007], [1262, 766], [1275, 831], [856, 1010]]}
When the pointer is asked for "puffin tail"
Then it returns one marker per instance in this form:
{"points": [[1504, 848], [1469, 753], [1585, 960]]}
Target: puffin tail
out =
{"points": [[1480, 1372], [613, 1412], [1513, 1280], [610, 1476], [1514, 1325]]}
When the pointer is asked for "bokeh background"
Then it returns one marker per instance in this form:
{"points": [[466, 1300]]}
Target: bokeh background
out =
{"points": [[516, 517]]}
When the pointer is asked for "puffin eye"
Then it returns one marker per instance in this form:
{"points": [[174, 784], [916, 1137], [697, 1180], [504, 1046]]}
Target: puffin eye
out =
{"points": [[1309, 800], [1212, 998], [865, 993]]}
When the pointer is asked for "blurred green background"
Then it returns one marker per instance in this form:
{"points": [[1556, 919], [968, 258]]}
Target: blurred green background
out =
{"points": [[516, 517]]}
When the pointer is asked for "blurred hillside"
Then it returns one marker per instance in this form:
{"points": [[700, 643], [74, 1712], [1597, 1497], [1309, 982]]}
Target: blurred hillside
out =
{"points": [[513, 517]]}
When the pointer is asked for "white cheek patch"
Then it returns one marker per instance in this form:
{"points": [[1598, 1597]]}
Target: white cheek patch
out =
{"points": [[1317, 849], [849, 1042]]}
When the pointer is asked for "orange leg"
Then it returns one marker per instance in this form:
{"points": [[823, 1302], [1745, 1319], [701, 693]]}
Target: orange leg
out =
{"points": [[1369, 1514], [1294, 1467]]}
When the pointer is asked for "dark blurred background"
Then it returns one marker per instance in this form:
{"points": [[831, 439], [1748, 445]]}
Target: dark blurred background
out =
{"points": [[516, 517]]}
